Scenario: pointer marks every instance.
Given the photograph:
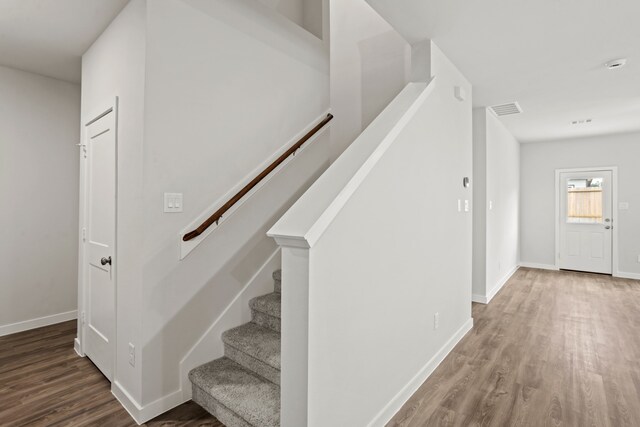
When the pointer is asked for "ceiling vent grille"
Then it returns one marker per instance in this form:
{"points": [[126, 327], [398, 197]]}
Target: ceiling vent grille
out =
{"points": [[506, 109]]}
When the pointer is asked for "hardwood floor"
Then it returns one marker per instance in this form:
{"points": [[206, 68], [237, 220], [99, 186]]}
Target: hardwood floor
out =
{"points": [[43, 382], [551, 349]]}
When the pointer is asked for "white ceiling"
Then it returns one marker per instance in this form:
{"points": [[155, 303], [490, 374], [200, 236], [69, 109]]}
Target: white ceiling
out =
{"points": [[48, 37], [546, 54]]}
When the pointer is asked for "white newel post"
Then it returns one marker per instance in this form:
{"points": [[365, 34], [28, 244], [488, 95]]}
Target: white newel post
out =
{"points": [[295, 332]]}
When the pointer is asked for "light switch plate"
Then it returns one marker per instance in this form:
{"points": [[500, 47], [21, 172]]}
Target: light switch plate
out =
{"points": [[172, 202]]}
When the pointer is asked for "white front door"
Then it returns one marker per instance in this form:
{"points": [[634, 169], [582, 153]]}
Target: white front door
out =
{"points": [[99, 247], [586, 221]]}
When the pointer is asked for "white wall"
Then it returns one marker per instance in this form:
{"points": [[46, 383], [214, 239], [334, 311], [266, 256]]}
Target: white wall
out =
{"points": [[305, 13], [228, 84], [208, 90], [538, 164], [375, 264], [496, 187], [370, 65], [115, 66], [39, 127]]}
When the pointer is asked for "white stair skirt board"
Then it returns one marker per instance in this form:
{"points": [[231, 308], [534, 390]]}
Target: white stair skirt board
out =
{"points": [[412, 386], [210, 346], [37, 323], [201, 351], [538, 266], [485, 299]]}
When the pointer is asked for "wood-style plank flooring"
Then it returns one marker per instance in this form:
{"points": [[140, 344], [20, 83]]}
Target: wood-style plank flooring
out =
{"points": [[43, 382], [551, 349]]}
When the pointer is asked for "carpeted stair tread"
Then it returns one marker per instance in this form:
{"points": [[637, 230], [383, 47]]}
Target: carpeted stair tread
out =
{"points": [[267, 304], [250, 397], [277, 275], [256, 341]]}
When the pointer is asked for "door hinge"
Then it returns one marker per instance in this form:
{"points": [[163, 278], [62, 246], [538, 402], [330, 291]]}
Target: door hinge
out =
{"points": [[83, 318], [84, 234]]}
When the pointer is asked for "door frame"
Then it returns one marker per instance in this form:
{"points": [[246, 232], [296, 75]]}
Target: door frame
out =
{"points": [[105, 108], [614, 212]]}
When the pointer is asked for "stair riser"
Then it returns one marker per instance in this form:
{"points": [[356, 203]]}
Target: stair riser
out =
{"points": [[251, 363], [264, 320], [215, 408]]}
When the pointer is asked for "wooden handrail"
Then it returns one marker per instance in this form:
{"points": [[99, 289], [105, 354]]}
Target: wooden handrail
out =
{"points": [[240, 194]]}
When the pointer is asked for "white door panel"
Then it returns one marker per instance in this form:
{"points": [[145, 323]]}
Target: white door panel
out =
{"points": [[586, 221], [100, 242]]}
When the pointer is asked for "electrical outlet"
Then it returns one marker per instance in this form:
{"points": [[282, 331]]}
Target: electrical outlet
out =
{"points": [[436, 321], [132, 354]]}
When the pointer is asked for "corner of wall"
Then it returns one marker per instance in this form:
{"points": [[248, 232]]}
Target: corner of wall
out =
{"points": [[479, 185], [421, 62]]}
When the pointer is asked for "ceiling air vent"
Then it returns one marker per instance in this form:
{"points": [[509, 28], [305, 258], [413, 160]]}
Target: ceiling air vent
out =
{"points": [[506, 109]]}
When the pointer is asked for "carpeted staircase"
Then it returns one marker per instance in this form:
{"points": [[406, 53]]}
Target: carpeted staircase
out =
{"points": [[242, 389]]}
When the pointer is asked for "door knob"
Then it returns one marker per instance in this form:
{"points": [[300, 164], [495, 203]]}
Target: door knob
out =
{"points": [[105, 261], [608, 227]]}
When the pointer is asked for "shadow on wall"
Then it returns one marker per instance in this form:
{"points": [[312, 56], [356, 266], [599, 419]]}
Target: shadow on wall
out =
{"points": [[181, 304], [385, 63]]}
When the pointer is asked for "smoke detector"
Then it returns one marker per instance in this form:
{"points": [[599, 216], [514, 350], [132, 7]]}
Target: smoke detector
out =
{"points": [[506, 109], [616, 63]]}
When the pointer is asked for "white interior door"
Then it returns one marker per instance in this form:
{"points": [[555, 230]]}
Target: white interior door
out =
{"points": [[99, 333], [585, 221]]}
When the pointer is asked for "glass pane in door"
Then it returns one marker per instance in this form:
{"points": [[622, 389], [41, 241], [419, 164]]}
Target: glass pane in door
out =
{"points": [[584, 200]]}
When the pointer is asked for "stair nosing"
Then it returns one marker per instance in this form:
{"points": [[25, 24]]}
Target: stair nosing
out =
{"points": [[229, 342], [252, 304], [225, 406], [242, 369]]}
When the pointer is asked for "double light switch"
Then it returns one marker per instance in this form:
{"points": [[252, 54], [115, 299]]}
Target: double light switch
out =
{"points": [[172, 202]]}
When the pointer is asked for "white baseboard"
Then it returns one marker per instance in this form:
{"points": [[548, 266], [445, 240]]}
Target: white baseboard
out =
{"points": [[492, 293], [485, 299], [37, 323], [77, 347], [383, 417], [482, 299], [623, 275], [129, 403], [538, 266], [142, 414]]}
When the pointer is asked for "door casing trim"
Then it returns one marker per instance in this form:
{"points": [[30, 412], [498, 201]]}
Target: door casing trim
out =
{"points": [[614, 212]]}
